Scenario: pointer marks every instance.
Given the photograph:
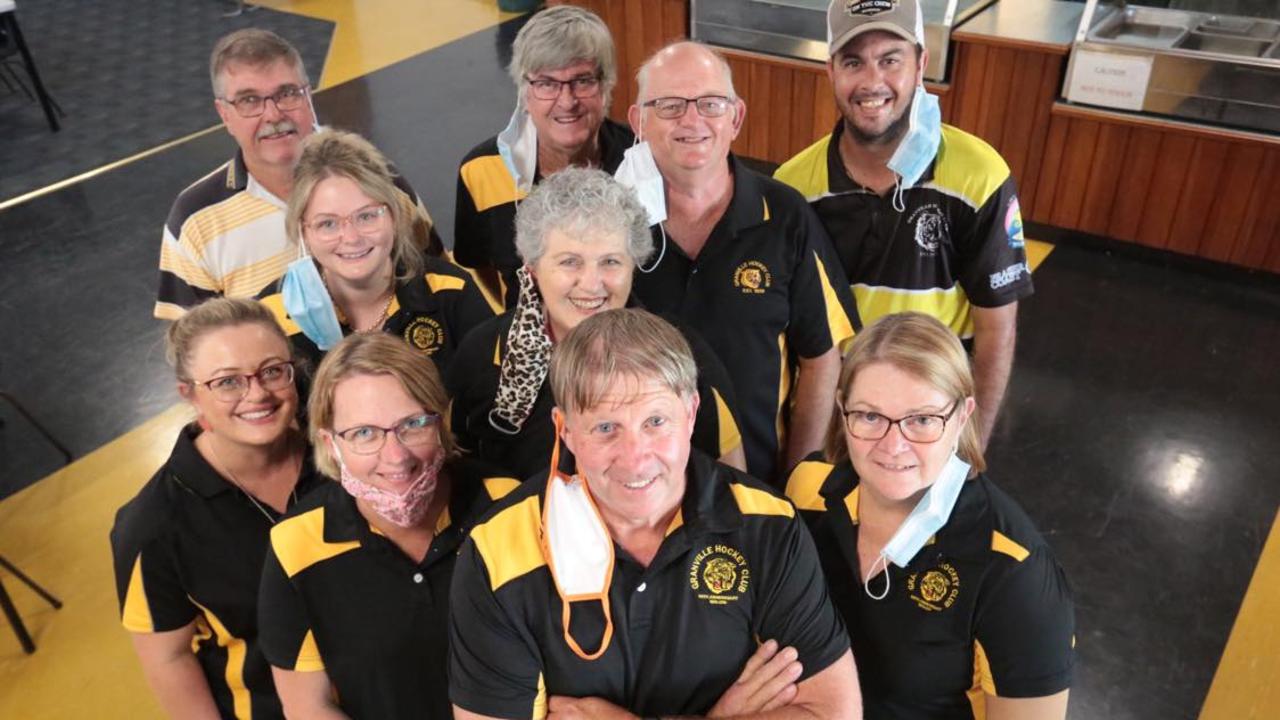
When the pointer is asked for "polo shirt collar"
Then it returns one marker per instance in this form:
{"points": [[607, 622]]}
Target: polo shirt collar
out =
{"points": [[237, 173], [191, 469], [748, 207], [838, 181], [709, 505], [414, 294]]}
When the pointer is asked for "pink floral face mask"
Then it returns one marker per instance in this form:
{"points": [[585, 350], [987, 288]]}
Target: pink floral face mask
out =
{"points": [[400, 509]]}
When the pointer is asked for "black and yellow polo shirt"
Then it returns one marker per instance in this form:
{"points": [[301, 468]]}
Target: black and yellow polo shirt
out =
{"points": [[189, 547], [736, 568], [338, 596], [958, 242], [765, 290], [473, 383], [432, 312], [484, 229], [984, 608]]}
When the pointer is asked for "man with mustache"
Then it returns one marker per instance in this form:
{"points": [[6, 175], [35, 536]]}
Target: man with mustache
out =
{"points": [[225, 233], [924, 216]]}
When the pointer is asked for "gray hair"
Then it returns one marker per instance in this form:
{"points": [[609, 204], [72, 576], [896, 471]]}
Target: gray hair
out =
{"points": [[581, 202], [255, 47], [642, 75], [617, 345], [561, 36]]}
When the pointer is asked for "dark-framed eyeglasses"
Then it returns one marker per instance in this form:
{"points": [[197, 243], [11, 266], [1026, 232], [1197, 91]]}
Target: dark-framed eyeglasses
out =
{"points": [[922, 428], [367, 221], [709, 106], [582, 86], [232, 388], [289, 97], [414, 431]]}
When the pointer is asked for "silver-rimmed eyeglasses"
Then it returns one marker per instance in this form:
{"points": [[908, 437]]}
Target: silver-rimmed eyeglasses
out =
{"points": [[709, 106], [289, 97], [414, 431]]}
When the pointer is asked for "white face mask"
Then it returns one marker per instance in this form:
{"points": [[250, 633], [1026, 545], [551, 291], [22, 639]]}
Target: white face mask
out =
{"points": [[639, 172], [518, 146], [578, 548], [926, 519]]}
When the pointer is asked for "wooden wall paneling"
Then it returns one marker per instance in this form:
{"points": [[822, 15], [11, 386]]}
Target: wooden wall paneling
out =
{"points": [[1259, 237], [997, 88], [1225, 227], [1104, 177], [615, 16], [779, 109], [1042, 106], [758, 114], [804, 88], [825, 113], [946, 99], [1137, 167], [675, 20], [1015, 142], [1050, 167], [1202, 174], [1073, 178], [1166, 189], [969, 74]]}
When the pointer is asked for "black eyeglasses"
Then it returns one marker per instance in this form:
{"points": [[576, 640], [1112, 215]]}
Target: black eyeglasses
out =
{"points": [[583, 86], [413, 431], [670, 108], [288, 97], [866, 425], [232, 388]]}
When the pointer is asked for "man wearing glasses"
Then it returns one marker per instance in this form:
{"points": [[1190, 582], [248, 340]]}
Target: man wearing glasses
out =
{"points": [[564, 70], [742, 259], [225, 233]]}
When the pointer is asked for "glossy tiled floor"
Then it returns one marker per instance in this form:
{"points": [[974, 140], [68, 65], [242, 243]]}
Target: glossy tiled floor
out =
{"points": [[1139, 431]]}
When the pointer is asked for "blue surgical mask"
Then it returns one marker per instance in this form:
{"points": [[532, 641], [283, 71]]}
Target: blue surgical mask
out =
{"points": [[518, 146], [307, 301], [919, 146], [926, 519]]}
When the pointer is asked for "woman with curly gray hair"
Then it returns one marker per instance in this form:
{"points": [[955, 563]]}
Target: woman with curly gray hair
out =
{"points": [[581, 236]]}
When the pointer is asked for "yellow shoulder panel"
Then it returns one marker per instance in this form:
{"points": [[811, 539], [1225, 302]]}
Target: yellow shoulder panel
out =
{"points": [[730, 435], [968, 167], [758, 502], [299, 542], [508, 542], [438, 282], [498, 487], [805, 483], [489, 182], [137, 611], [807, 171], [837, 319], [1002, 544], [308, 659], [275, 303]]}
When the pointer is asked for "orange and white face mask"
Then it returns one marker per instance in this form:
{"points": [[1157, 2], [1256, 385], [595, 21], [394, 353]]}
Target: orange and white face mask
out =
{"points": [[577, 547]]}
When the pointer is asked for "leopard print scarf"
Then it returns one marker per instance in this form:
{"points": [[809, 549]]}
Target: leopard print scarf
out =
{"points": [[524, 368]]}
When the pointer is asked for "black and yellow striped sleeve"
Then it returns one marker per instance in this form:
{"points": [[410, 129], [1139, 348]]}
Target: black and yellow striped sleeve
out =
{"points": [[148, 580], [823, 312], [716, 431]]}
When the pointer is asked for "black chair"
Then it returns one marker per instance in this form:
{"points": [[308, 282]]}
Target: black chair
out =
{"points": [[10, 41], [11, 612]]}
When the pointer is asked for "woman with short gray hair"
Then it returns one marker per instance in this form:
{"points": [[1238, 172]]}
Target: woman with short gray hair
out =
{"points": [[581, 236], [564, 69]]}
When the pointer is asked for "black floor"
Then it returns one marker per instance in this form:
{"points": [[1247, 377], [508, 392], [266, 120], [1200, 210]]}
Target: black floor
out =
{"points": [[1140, 428]]}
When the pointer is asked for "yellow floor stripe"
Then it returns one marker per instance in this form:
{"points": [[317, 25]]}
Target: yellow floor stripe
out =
{"points": [[1247, 684], [372, 34], [56, 531], [1037, 251]]}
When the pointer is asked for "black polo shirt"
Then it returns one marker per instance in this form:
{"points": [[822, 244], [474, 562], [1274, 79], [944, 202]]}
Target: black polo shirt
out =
{"points": [[432, 312], [983, 608], [737, 568], [338, 596], [473, 383], [765, 290], [959, 241], [189, 547], [484, 225]]}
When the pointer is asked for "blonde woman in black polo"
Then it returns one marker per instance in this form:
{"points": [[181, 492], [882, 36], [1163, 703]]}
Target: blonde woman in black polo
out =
{"points": [[355, 589], [188, 549]]}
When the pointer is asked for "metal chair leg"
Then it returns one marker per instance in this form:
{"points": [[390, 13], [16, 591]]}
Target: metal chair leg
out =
{"points": [[11, 612], [46, 103], [66, 454]]}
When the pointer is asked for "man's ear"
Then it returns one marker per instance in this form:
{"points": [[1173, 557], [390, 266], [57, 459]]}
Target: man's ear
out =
{"points": [[561, 423], [633, 119], [924, 63], [223, 110], [739, 116]]}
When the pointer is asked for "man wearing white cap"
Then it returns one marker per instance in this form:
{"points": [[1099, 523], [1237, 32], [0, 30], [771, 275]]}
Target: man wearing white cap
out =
{"points": [[923, 215]]}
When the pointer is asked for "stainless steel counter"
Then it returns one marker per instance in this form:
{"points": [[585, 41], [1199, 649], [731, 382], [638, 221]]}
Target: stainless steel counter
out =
{"points": [[1045, 24]]}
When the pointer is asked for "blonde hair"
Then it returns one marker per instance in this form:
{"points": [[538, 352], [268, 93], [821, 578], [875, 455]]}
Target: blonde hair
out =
{"points": [[213, 314], [255, 47], [374, 354], [615, 345], [335, 153], [920, 346]]}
